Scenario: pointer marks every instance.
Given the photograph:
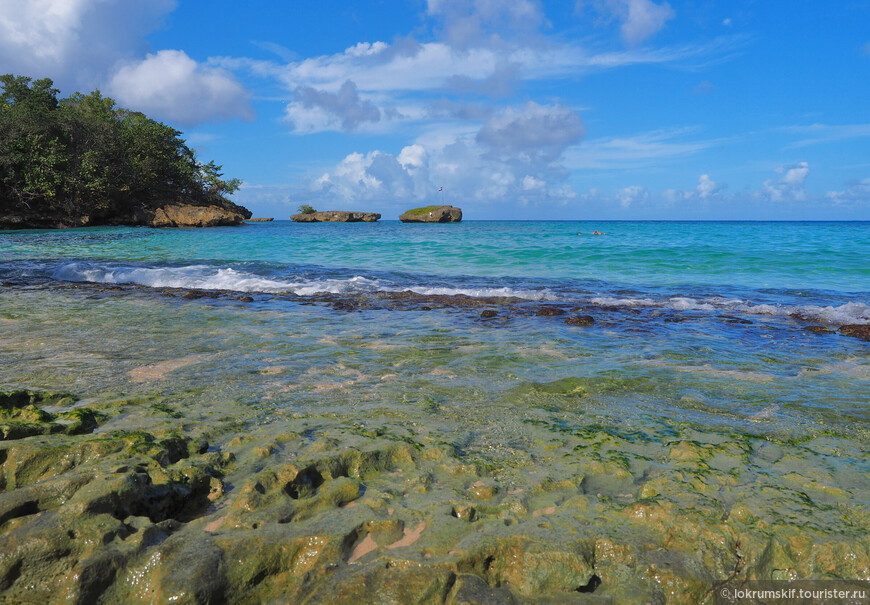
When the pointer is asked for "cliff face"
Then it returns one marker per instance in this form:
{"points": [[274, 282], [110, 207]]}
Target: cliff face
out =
{"points": [[185, 215], [175, 214], [336, 216], [432, 214]]}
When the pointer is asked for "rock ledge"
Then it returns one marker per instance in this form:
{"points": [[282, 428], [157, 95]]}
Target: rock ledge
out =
{"points": [[336, 216], [432, 214], [169, 214]]}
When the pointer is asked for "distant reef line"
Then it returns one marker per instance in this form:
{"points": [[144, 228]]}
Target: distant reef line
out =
{"points": [[425, 214]]}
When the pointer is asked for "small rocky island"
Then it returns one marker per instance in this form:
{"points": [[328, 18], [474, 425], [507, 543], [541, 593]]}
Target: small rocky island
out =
{"points": [[432, 214], [309, 215], [83, 161]]}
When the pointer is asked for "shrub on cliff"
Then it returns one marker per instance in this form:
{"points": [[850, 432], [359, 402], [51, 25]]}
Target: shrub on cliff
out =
{"points": [[83, 155]]}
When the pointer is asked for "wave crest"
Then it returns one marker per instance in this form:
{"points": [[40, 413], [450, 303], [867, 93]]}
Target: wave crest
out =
{"points": [[205, 277]]}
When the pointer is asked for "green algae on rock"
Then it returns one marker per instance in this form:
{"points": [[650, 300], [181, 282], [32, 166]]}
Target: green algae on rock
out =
{"points": [[20, 417], [432, 214]]}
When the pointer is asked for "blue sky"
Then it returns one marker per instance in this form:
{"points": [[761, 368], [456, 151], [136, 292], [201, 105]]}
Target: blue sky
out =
{"points": [[520, 109]]}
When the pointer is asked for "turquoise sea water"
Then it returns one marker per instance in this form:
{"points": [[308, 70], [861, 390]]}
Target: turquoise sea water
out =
{"points": [[728, 297], [820, 269]]}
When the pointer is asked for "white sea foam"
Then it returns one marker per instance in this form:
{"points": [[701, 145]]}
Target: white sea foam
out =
{"points": [[848, 313], [205, 277]]}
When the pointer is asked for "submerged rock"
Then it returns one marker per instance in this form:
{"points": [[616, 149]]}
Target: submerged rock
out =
{"points": [[861, 331], [549, 311], [580, 320], [819, 329], [432, 214], [336, 216]]}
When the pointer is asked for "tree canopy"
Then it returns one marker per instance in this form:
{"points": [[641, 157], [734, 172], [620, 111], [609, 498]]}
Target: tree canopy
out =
{"points": [[84, 155]]}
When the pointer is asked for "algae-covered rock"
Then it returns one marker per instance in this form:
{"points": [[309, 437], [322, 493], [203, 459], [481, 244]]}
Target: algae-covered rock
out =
{"points": [[75, 515], [580, 320], [474, 590], [861, 331], [398, 512], [393, 584], [23, 397], [432, 214], [530, 568], [20, 417]]}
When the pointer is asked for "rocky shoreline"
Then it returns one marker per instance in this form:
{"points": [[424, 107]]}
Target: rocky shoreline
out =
{"points": [[181, 214], [144, 491], [351, 511]]}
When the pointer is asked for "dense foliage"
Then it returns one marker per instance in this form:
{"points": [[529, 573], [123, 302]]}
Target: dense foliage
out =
{"points": [[306, 209], [83, 155]]}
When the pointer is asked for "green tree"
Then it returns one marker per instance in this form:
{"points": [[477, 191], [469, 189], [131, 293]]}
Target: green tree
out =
{"points": [[84, 155], [32, 149], [209, 177]]}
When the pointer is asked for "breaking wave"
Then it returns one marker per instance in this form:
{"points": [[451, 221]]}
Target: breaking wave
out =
{"points": [[205, 277], [847, 313]]}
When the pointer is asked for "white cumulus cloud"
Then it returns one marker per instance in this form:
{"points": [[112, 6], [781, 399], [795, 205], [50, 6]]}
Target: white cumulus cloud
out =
{"points": [[468, 23], [631, 195], [857, 192], [789, 186], [170, 85], [644, 19], [532, 129], [376, 177], [465, 163], [639, 19], [314, 110], [75, 42], [707, 187]]}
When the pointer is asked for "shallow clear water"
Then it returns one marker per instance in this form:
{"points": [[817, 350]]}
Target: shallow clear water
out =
{"points": [[701, 321], [695, 387]]}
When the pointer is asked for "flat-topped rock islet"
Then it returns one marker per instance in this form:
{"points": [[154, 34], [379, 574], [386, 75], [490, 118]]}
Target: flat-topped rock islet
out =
{"points": [[432, 214], [335, 216]]}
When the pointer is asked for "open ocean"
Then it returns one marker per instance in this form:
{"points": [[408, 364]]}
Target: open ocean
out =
{"points": [[678, 389]]}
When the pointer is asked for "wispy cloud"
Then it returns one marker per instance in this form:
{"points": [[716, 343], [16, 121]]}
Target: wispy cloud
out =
{"points": [[817, 134], [636, 151], [405, 81]]}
